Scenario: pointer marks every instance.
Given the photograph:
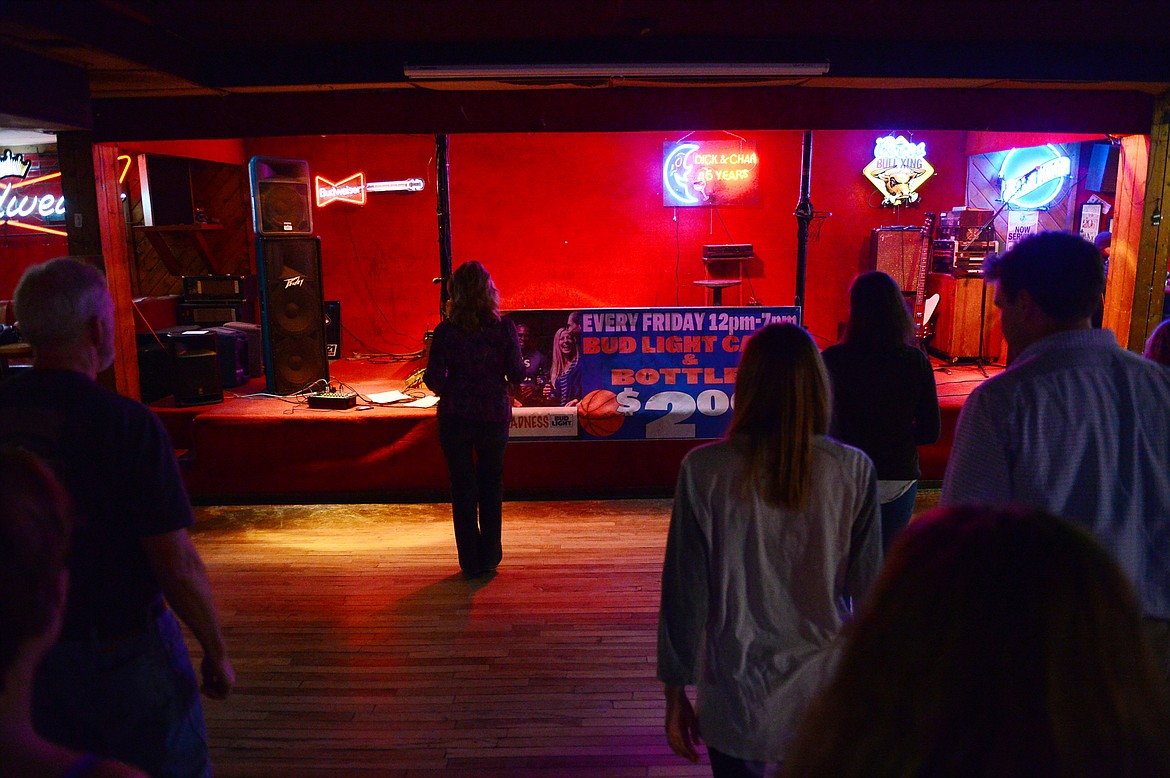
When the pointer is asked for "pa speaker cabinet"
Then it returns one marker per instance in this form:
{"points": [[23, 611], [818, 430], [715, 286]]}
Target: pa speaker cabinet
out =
{"points": [[255, 345], [281, 196], [333, 328], [292, 312], [196, 374], [895, 252]]}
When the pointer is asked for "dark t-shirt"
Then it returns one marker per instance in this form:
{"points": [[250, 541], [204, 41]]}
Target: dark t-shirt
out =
{"points": [[885, 403], [470, 371], [116, 461]]}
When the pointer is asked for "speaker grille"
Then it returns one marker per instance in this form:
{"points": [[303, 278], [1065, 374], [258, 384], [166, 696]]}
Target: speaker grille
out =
{"points": [[895, 252], [281, 196], [293, 323], [284, 208]]}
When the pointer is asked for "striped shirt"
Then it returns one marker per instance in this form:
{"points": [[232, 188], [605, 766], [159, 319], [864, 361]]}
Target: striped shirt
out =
{"points": [[1080, 427]]}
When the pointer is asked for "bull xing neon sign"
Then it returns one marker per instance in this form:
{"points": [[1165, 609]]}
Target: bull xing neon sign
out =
{"points": [[16, 207], [897, 169]]}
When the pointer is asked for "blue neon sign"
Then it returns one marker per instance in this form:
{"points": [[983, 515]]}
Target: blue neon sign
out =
{"points": [[1032, 178]]}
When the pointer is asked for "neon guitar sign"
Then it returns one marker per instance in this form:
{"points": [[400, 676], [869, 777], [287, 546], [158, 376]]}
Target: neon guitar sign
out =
{"points": [[353, 189]]}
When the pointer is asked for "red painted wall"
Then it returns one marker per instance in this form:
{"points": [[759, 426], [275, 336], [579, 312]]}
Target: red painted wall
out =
{"points": [[576, 220], [378, 259]]}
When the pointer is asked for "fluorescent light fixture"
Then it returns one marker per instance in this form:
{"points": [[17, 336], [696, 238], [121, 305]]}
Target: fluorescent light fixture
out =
{"points": [[630, 70]]}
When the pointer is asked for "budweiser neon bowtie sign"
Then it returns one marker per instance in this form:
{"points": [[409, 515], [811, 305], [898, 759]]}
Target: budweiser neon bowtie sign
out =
{"points": [[353, 189]]}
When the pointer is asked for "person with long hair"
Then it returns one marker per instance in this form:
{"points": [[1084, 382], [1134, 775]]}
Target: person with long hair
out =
{"points": [[564, 385], [474, 356], [884, 397], [35, 522], [998, 643], [1158, 345], [774, 531]]}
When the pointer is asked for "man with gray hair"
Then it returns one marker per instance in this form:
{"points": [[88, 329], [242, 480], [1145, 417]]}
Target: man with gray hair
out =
{"points": [[119, 681], [1076, 425]]}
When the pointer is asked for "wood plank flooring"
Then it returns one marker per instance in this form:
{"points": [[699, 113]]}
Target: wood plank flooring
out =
{"points": [[361, 651]]}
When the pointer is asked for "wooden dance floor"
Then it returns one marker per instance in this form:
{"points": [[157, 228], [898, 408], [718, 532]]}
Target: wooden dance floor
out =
{"points": [[361, 651]]}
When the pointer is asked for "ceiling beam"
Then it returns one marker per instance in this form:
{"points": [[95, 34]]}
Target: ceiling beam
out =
{"points": [[621, 110]]}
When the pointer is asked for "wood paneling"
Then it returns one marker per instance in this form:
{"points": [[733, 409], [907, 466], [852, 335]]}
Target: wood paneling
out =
{"points": [[964, 305], [116, 257], [1147, 237], [1122, 302], [222, 191]]}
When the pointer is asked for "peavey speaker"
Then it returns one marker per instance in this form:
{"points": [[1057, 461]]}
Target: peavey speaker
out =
{"points": [[292, 315], [281, 196]]}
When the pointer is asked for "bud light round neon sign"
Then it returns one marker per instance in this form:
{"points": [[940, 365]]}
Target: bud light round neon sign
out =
{"points": [[1032, 178]]}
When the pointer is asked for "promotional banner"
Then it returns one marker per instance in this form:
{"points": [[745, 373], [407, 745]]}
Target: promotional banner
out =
{"points": [[1021, 224], [633, 373]]}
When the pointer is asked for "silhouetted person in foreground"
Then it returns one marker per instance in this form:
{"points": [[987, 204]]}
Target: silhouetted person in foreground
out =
{"points": [[998, 643], [1158, 345], [1076, 425], [119, 680], [34, 539]]}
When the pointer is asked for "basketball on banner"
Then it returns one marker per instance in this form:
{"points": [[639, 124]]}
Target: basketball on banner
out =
{"points": [[599, 414]]}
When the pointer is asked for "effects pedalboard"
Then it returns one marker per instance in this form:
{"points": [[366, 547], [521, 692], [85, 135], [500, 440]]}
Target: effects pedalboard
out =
{"points": [[336, 401]]}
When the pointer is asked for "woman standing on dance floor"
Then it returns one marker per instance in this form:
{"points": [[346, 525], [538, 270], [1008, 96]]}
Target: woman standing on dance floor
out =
{"points": [[474, 355], [774, 530], [884, 398]]}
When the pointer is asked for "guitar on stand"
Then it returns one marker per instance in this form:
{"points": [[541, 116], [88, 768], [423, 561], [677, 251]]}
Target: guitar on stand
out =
{"points": [[924, 308]]}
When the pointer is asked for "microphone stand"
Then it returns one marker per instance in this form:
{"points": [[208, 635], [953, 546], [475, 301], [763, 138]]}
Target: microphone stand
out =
{"points": [[981, 359]]}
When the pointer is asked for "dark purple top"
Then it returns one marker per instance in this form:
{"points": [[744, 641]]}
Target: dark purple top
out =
{"points": [[117, 463], [470, 371]]}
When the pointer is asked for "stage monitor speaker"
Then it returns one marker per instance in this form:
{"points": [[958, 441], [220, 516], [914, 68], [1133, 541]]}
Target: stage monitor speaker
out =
{"points": [[895, 252], [1102, 173], [281, 196], [333, 328], [197, 376], [255, 345], [292, 316], [155, 367]]}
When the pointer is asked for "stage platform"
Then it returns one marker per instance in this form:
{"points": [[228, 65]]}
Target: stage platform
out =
{"points": [[261, 449]]}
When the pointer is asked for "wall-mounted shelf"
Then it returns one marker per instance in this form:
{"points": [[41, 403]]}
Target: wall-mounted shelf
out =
{"points": [[158, 239]]}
